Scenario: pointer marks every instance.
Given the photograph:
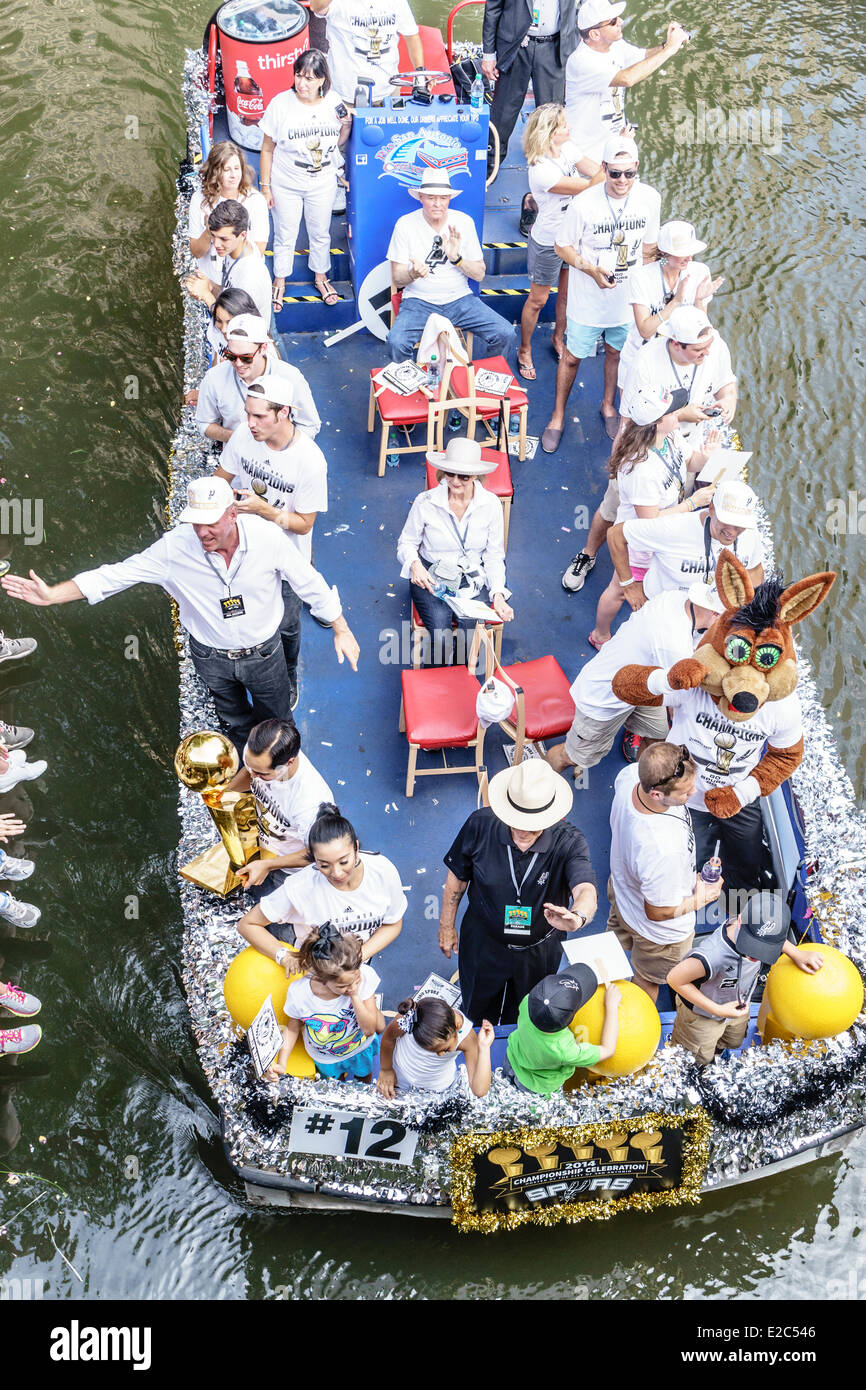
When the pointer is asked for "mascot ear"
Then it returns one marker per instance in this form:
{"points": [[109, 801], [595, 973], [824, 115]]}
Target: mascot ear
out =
{"points": [[802, 598], [733, 584]]}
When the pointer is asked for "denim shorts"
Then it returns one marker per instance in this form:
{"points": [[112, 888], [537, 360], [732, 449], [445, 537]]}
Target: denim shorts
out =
{"points": [[581, 339]]}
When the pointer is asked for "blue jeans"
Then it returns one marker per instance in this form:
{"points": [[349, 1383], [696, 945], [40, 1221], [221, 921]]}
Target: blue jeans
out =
{"points": [[437, 618], [264, 675], [290, 630], [469, 313]]}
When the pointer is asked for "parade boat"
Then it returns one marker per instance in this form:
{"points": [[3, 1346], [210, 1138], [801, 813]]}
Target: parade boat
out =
{"points": [[666, 1134]]}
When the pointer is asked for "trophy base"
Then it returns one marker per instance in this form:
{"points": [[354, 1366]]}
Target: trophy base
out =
{"points": [[213, 871]]}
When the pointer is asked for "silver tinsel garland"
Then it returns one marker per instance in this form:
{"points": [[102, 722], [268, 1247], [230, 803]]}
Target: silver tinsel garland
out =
{"points": [[766, 1103]]}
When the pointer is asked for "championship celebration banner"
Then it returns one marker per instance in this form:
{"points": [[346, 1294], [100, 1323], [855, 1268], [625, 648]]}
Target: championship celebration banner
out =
{"points": [[585, 1172]]}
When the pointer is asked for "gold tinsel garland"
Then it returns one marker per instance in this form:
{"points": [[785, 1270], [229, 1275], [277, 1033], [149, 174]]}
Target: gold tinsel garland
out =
{"points": [[695, 1123]]}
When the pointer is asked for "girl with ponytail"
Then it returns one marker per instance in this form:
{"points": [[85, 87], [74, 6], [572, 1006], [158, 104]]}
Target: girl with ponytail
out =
{"points": [[420, 1046]]}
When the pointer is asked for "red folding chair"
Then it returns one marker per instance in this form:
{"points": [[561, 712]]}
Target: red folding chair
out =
{"points": [[489, 408], [543, 707], [437, 711]]}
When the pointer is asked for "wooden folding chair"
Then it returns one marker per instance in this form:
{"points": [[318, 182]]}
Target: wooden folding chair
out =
{"points": [[543, 707], [438, 711], [491, 408], [499, 483]]}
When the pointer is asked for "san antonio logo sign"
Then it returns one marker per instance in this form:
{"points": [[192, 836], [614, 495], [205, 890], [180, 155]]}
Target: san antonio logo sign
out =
{"points": [[408, 153]]}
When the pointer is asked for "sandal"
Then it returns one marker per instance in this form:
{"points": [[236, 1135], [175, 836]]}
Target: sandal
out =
{"points": [[327, 291], [526, 369], [278, 296], [596, 641]]}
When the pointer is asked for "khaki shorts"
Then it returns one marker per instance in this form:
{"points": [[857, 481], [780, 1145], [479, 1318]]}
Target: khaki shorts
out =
{"points": [[703, 1037], [590, 740], [609, 504], [649, 959]]}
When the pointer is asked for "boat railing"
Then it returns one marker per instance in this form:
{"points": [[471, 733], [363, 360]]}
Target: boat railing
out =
{"points": [[449, 30]]}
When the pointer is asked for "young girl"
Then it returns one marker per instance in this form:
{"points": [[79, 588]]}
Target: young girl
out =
{"points": [[335, 1002], [420, 1046]]}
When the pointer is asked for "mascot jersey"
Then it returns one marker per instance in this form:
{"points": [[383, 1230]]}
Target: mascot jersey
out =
{"points": [[331, 1031], [725, 750]]}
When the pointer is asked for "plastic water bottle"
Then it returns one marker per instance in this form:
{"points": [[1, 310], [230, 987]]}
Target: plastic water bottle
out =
{"points": [[434, 375], [476, 93]]}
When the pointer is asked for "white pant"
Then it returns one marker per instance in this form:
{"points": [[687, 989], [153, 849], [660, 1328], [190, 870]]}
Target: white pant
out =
{"points": [[315, 205]]}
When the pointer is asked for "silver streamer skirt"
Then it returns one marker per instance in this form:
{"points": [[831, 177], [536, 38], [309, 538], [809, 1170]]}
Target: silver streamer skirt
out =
{"points": [[766, 1103]]}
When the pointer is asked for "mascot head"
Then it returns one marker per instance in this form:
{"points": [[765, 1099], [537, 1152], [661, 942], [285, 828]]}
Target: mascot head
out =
{"points": [[749, 650]]}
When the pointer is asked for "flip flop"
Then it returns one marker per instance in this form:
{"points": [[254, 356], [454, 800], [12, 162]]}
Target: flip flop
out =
{"points": [[611, 424], [550, 440], [596, 642], [277, 300], [526, 371], [329, 295]]}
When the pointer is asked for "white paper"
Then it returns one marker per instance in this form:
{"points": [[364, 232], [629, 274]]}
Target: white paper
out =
{"points": [[603, 946], [264, 1037], [472, 608], [435, 987], [730, 462]]}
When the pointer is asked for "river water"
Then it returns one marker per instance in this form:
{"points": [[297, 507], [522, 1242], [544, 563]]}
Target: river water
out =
{"points": [[114, 1111]]}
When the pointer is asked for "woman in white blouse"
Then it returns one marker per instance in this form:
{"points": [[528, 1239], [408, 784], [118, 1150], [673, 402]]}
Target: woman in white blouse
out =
{"points": [[453, 539], [225, 174]]}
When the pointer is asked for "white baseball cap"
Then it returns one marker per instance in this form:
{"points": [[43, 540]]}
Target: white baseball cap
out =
{"points": [[647, 405], [207, 499], [679, 239], [687, 324], [592, 13], [702, 596], [619, 147], [735, 504], [273, 387], [249, 326]]}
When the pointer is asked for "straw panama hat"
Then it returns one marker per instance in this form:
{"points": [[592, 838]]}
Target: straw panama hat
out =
{"points": [[530, 796], [461, 456], [435, 181]]}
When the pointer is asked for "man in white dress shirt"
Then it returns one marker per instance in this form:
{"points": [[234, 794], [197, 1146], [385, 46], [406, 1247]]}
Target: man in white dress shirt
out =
{"points": [[226, 573], [247, 356]]}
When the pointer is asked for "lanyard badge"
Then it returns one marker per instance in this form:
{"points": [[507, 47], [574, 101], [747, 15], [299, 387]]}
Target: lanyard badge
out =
{"points": [[517, 920], [232, 606]]}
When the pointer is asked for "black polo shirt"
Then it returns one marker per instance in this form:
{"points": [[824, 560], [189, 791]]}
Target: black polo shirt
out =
{"points": [[479, 856]]}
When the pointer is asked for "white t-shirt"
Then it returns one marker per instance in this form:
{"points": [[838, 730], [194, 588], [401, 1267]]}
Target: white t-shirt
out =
{"points": [[248, 272], [658, 634], [652, 859], [678, 545], [412, 240], [595, 222], [222, 396], [646, 286], [307, 900], [726, 750], [552, 207], [295, 479], [653, 367], [210, 264], [331, 1030], [363, 43], [657, 481], [286, 807], [307, 139], [593, 108], [419, 1070]]}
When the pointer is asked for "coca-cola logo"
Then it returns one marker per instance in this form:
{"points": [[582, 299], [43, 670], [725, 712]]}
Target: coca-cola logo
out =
{"points": [[251, 106]]}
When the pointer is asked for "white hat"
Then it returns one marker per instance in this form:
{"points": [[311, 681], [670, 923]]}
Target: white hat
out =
{"points": [[679, 239], [617, 146], [435, 181], [647, 405], [702, 596], [249, 326], [461, 456], [530, 796], [207, 499], [687, 324], [592, 13], [735, 504], [275, 387]]}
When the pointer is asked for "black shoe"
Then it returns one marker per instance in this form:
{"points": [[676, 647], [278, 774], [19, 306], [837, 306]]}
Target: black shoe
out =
{"points": [[631, 746], [528, 214]]}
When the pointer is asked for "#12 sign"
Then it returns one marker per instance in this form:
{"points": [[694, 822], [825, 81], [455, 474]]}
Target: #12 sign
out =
{"points": [[346, 1135]]}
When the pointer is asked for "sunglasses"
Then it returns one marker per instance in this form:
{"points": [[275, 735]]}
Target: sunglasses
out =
{"points": [[246, 357], [622, 173], [608, 22], [684, 763], [461, 477]]}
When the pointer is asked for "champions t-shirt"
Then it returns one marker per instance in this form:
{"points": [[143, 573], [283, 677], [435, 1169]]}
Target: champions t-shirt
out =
{"points": [[363, 43], [210, 264], [294, 479], [657, 481], [596, 222], [419, 1070], [658, 634], [654, 368], [652, 859], [545, 1061], [646, 286], [307, 139], [331, 1030], [307, 900], [593, 108], [726, 750], [552, 207], [413, 239], [286, 807], [683, 550]]}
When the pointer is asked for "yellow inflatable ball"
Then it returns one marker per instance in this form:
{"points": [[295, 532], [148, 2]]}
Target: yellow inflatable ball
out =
{"points": [[640, 1029], [819, 1005], [249, 980]]}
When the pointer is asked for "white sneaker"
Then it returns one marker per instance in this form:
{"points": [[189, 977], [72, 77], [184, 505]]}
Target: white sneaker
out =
{"points": [[16, 869], [20, 914], [20, 770]]}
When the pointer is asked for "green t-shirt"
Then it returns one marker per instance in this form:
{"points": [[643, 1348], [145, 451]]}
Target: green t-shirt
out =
{"points": [[545, 1061]]}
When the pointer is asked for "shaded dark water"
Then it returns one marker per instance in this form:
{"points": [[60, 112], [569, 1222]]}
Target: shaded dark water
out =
{"points": [[147, 1208]]}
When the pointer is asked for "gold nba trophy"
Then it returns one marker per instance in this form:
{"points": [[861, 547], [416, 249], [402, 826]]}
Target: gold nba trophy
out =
{"points": [[206, 762]]}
